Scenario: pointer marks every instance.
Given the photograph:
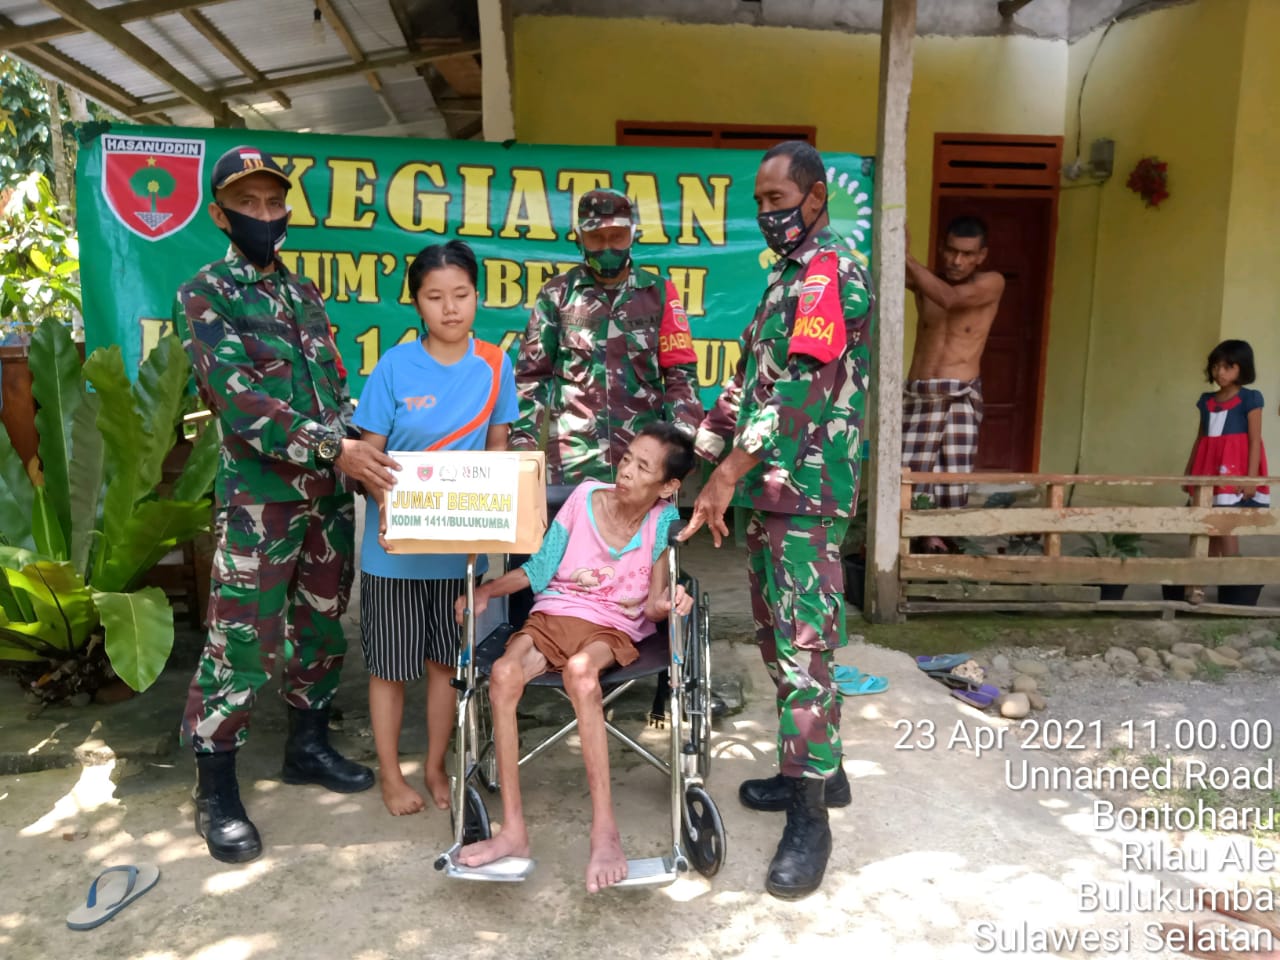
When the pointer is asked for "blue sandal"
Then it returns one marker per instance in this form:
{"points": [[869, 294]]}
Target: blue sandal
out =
{"points": [[852, 682], [113, 890]]}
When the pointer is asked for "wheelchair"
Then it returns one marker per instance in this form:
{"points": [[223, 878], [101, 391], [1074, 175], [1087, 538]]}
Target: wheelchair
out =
{"points": [[683, 650]]}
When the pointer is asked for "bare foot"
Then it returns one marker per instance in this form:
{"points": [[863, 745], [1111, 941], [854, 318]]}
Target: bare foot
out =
{"points": [[608, 864], [437, 782], [935, 545], [400, 798], [511, 842]]}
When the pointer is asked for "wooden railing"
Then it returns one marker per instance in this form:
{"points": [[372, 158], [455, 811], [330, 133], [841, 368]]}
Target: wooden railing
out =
{"points": [[1052, 580]]}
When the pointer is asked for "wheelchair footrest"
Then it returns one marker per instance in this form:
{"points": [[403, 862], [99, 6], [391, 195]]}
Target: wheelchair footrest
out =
{"points": [[649, 872], [506, 870]]}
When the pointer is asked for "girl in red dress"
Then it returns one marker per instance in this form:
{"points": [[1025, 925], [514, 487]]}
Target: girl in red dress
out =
{"points": [[1229, 441]]}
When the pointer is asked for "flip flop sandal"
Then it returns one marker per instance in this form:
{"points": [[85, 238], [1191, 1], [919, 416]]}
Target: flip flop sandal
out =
{"points": [[980, 697], [113, 890], [863, 684], [945, 662]]}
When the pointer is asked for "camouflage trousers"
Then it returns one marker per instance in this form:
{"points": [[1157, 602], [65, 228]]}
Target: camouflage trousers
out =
{"points": [[797, 602], [282, 571]]}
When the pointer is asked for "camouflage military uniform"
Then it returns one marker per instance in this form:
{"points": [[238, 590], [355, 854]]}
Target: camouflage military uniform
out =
{"points": [[797, 402], [601, 370], [266, 364]]}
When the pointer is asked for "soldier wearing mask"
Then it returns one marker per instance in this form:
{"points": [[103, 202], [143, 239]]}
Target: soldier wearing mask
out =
{"points": [[787, 431], [267, 366], [606, 353]]}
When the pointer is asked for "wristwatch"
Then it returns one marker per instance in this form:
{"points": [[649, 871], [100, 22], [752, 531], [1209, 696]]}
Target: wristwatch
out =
{"points": [[328, 449]]}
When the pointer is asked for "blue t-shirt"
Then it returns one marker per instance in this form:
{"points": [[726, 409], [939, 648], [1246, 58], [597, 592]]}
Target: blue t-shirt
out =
{"points": [[414, 401]]}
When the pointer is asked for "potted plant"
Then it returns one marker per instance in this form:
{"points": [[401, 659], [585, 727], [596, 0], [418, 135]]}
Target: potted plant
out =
{"points": [[1119, 545], [39, 279], [83, 524]]}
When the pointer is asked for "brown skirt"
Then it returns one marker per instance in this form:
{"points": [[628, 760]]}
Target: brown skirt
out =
{"points": [[558, 638]]}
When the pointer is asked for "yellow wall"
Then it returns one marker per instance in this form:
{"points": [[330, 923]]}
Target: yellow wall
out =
{"points": [[1165, 84], [1193, 84], [1251, 298], [575, 77]]}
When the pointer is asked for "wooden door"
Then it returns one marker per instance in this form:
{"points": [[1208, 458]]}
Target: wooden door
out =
{"points": [[1011, 183], [1017, 239]]}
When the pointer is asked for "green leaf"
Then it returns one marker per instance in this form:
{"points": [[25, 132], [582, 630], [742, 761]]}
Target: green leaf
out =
{"points": [[11, 649], [55, 384], [9, 600], [121, 429], [45, 528], [15, 495], [156, 527], [139, 633], [160, 391], [196, 480], [62, 604], [86, 480], [39, 260]]}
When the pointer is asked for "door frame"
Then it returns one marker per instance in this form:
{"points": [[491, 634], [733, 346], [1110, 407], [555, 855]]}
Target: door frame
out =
{"points": [[1003, 166]]}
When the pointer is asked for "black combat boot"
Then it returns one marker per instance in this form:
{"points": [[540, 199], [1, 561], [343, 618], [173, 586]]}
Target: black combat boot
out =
{"points": [[220, 816], [308, 758], [774, 793], [805, 847]]}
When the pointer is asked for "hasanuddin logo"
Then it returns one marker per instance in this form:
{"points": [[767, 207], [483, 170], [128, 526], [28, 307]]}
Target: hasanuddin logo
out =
{"points": [[153, 185]]}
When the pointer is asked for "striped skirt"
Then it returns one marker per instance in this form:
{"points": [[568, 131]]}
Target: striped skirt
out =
{"points": [[404, 623]]}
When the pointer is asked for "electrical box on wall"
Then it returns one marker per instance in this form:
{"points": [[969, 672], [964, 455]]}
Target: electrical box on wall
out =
{"points": [[1102, 158]]}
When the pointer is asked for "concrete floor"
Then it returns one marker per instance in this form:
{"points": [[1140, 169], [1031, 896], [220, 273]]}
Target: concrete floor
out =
{"points": [[934, 845]]}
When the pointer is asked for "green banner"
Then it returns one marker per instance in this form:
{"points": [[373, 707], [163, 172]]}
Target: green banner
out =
{"points": [[364, 206]]}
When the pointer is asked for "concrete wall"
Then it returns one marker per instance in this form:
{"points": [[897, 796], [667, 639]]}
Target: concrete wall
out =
{"points": [[1140, 295], [1251, 277], [575, 77], [1139, 292], [954, 18]]}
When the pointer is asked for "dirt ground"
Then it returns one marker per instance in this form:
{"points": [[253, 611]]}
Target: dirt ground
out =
{"points": [[937, 857]]}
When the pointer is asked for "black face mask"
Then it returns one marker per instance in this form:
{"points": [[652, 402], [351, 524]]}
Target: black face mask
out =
{"points": [[784, 230], [257, 239]]}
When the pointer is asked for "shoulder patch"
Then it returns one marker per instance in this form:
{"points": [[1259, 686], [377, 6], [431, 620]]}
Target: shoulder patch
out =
{"points": [[208, 332], [818, 329], [675, 340]]}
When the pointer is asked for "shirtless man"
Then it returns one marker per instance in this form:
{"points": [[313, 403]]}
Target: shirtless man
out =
{"points": [[942, 398]]}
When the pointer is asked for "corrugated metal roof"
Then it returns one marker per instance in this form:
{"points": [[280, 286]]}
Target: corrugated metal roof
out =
{"points": [[279, 38]]}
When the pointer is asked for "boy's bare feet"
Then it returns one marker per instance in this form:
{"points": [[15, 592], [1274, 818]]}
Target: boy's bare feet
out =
{"points": [[608, 864], [437, 782], [399, 797], [511, 842]]}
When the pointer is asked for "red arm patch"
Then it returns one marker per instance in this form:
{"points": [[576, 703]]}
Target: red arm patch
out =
{"points": [[675, 342], [818, 330]]}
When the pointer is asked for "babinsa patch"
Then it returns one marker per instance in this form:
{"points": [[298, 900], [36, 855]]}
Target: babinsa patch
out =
{"points": [[818, 330]]}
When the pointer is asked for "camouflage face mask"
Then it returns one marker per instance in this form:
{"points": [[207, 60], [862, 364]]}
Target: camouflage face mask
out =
{"points": [[609, 263]]}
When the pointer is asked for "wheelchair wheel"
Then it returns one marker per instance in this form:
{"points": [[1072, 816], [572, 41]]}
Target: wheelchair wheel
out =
{"points": [[703, 832], [487, 765], [699, 694], [476, 825]]}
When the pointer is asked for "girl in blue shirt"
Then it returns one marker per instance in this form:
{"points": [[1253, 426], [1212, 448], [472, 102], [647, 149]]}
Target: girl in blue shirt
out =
{"points": [[445, 391]]}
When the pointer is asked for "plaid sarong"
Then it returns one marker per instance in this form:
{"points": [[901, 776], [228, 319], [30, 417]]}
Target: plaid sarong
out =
{"points": [[940, 421]]}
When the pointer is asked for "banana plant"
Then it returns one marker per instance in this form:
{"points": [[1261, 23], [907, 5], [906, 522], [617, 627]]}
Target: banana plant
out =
{"points": [[84, 522]]}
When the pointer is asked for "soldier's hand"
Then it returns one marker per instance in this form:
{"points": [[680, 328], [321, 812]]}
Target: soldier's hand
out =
{"points": [[709, 509], [366, 464]]}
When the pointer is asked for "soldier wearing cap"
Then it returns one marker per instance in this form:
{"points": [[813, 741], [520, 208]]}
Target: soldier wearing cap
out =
{"points": [[267, 366], [607, 351]]}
